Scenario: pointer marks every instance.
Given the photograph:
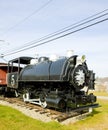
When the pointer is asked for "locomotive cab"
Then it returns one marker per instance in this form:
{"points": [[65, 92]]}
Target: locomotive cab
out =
{"points": [[14, 68]]}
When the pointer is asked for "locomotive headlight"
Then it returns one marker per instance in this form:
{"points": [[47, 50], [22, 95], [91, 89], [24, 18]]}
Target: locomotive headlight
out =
{"points": [[83, 58]]}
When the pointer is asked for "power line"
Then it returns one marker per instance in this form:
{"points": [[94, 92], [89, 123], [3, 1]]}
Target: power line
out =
{"points": [[72, 26], [27, 17], [61, 31], [58, 37]]}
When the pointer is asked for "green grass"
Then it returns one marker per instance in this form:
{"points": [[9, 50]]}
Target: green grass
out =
{"points": [[11, 119], [98, 120]]}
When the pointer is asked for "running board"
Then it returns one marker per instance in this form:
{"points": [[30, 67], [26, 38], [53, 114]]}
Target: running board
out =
{"points": [[90, 107]]}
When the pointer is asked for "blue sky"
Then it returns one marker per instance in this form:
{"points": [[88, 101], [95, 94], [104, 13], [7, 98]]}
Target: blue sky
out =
{"points": [[92, 42]]}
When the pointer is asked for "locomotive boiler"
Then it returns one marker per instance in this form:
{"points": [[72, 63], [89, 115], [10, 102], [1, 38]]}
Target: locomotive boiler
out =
{"points": [[64, 82]]}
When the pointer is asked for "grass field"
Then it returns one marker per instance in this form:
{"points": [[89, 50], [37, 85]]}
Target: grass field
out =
{"points": [[11, 119]]}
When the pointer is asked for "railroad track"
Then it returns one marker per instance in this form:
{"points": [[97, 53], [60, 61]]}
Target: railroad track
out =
{"points": [[48, 113]]}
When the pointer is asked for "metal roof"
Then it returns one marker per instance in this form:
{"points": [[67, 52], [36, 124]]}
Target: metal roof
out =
{"points": [[22, 60]]}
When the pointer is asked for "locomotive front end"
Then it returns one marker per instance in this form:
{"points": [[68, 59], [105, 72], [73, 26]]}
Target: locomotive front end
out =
{"points": [[81, 80], [80, 75]]}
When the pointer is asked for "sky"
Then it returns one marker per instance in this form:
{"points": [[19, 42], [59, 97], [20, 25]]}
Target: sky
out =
{"points": [[22, 21]]}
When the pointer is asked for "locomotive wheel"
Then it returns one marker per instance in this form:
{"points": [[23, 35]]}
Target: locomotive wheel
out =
{"points": [[43, 104], [62, 104], [26, 96], [42, 100]]}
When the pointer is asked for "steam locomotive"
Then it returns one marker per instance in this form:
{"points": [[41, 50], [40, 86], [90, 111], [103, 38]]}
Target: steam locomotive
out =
{"points": [[61, 83]]}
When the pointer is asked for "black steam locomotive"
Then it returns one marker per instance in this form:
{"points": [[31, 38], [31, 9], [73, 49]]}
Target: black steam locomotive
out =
{"points": [[62, 83]]}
